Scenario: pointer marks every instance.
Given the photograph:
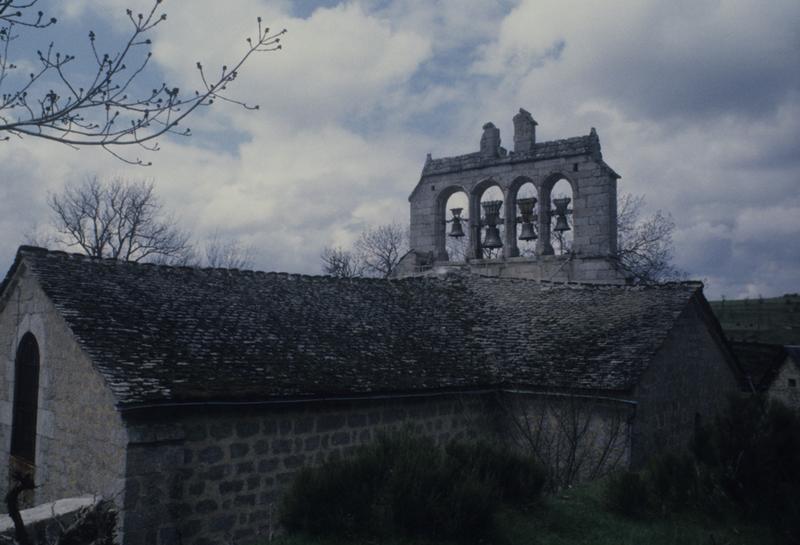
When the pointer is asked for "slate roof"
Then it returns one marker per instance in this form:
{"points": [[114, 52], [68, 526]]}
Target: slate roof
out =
{"points": [[163, 334]]}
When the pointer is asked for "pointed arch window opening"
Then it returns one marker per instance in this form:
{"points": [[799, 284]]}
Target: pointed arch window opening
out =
{"points": [[26, 401]]}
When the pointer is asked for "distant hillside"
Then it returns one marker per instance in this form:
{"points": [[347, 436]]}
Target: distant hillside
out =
{"points": [[775, 320]]}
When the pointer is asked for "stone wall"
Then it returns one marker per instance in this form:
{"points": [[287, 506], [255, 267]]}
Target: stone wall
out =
{"points": [[548, 268], [215, 475], [785, 386], [80, 438], [575, 437], [689, 381]]}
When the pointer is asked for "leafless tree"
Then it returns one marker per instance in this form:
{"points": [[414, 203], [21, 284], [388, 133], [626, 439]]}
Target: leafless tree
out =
{"points": [[103, 109], [380, 248], [575, 438], [645, 247], [121, 219], [227, 253], [341, 263]]}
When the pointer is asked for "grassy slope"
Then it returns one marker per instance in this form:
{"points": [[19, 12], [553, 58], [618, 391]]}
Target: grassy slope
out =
{"points": [[775, 320], [579, 517]]}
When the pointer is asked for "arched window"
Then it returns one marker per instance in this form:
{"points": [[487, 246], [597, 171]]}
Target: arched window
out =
{"points": [[561, 224], [492, 216], [457, 241], [526, 231], [26, 399]]}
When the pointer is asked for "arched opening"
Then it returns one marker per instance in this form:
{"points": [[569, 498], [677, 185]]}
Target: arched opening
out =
{"points": [[457, 232], [527, 204], [26, 401], [561, 233], [492, 221]]}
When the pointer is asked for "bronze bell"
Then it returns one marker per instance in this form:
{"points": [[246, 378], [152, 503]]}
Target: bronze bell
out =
{"points": [[456, 230], [527, 232], [561, 214], [492, 239]]}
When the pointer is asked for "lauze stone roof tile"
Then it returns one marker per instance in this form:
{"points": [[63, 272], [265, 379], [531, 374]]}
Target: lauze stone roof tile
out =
{"points": [[162, 334]]}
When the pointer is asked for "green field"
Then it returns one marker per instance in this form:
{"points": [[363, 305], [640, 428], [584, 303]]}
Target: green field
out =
{"points": [[579, 516], [774, 321]]}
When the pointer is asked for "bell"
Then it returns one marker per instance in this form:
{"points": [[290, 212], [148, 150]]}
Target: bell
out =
{"points": [[526, 207], [561, 224], [527, 232], [456, 230], [561, 214], [492, 239]]}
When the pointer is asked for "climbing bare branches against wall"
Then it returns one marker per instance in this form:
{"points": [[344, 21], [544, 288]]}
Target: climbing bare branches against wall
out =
{"points": [[104, 109]]}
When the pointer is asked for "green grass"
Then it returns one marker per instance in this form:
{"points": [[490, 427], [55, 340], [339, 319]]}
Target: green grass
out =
{"points": [[774, 320], [579, 516]]}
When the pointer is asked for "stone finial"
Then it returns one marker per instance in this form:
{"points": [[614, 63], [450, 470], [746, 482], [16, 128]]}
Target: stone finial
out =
{"points": [[490, 141], [524, 132], [595, 145]]}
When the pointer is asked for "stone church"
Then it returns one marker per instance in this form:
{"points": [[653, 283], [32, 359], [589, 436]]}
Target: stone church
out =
{"points": [[193, 396]]}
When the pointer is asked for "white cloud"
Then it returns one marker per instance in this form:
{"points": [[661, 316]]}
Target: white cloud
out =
{"points": [[697, 104]]}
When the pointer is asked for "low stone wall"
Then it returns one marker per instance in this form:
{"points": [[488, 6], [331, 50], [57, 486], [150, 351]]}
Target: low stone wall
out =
{"points": [[44, 522], [216, 475]]}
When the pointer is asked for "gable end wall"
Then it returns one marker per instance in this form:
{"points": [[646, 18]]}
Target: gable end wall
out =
{"points": [[690, 377], [80, 438]]}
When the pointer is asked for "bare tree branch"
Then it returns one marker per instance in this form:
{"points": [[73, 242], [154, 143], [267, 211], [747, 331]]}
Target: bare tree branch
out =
{"points": [[21, 483], [645, 247], [380, 248], [229, 254], [104, 110], [341, 263], [575, 438]]}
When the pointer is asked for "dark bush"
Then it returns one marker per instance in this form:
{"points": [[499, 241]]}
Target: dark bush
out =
{"points": [[519, 479], [746, 462], [627, 494], [673, 481], [754, 451], [337, 500], [404, 485]]}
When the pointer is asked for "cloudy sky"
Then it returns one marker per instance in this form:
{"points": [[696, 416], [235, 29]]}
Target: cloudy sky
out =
{"points": [[697, 104]]}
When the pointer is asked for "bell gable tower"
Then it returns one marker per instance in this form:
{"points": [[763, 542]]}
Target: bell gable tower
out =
{"points": [[552, 216]]}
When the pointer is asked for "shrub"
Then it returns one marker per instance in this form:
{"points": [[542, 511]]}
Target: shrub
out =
{"points": [[673, 481], [754, 449], [627, 494], [518, 479], [405, 485], [747, 461]]}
